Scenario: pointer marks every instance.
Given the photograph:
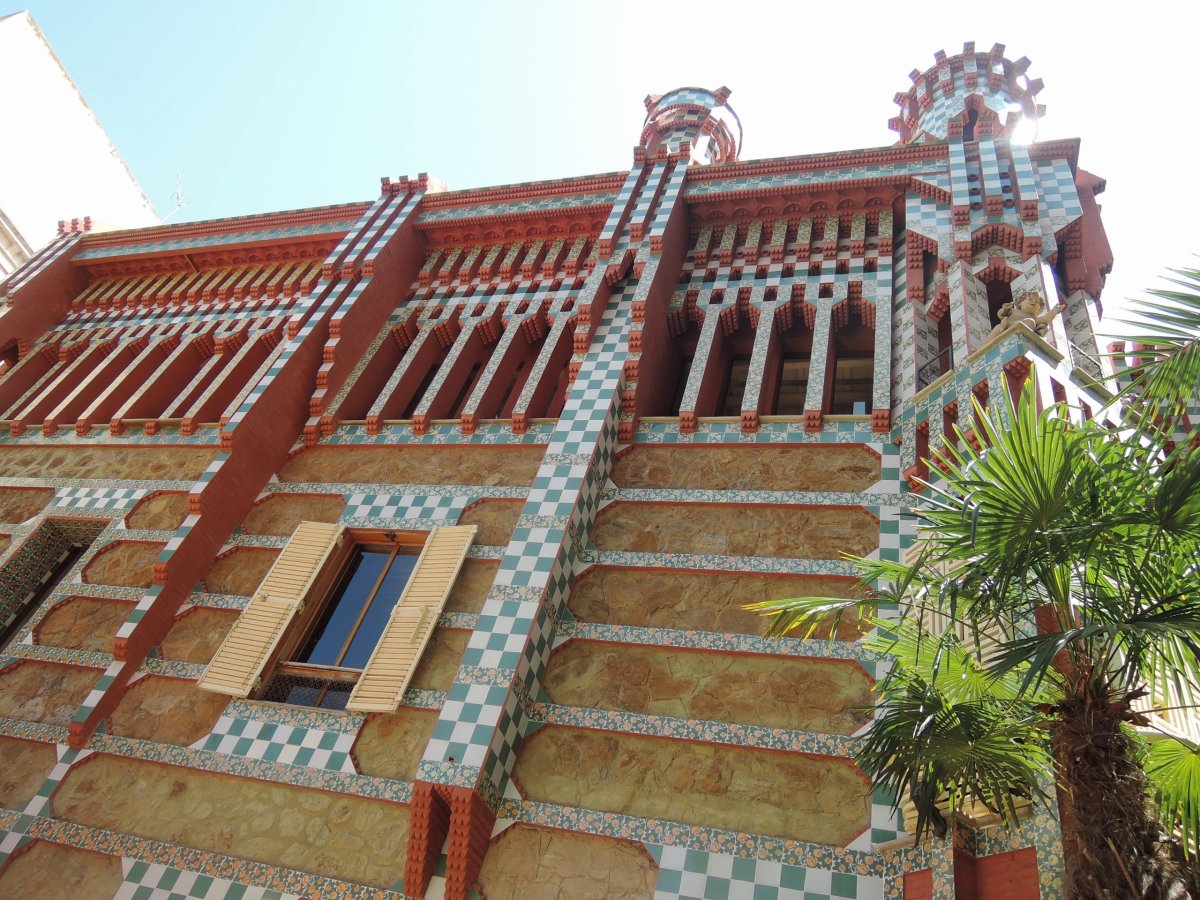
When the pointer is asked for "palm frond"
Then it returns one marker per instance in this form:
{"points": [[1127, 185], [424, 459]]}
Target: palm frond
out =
{"points": [[1173, 767], [1167, 324], [931, 752], [809, 614]]}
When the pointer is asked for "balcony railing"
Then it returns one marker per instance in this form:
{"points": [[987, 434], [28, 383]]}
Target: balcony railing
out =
{"points": [[935, 368], [1085, 362]]}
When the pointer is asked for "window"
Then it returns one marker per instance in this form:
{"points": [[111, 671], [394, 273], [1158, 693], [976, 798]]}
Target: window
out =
{"points": [[735, 386], [54, 575], [340, 624], [345, 630], [852, 383], [793, 385]]}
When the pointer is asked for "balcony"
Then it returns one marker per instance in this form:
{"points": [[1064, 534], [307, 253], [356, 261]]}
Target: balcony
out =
{"points": [[935, 368]]}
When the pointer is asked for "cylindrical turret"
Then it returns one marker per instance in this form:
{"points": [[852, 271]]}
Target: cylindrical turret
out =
{"points": [[967, 95], [695, 116]]}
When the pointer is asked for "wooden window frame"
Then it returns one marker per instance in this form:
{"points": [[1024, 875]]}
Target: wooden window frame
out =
{"points": [[273, 626], [317, 601]]}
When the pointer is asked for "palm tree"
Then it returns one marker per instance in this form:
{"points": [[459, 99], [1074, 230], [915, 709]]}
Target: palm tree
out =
{"points": [[1053, 598]]}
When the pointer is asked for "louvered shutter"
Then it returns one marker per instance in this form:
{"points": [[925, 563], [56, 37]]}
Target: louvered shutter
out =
{"points": [[239, 661], [412, 621]]}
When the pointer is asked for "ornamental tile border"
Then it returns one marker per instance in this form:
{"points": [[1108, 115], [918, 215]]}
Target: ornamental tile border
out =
{"points": [[713, 563], [695, 837], [727, 642], [242, 871], [751, 737]]}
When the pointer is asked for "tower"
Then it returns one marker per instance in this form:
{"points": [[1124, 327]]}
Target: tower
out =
{"points": [[701, 119]]}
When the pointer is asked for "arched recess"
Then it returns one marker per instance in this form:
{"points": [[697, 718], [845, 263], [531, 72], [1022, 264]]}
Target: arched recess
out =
{"points": [[850, 366], [786, 370]]}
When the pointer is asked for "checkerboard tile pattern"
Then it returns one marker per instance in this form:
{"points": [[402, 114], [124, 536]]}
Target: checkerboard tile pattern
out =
{"points": [[291, 745], [1060, 200], [436, 508], [464, 729], [481, 724], [154, 881], [97, 499], [695, 875]]}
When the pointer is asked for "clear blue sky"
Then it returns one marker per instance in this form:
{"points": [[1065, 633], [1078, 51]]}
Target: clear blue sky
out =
{"points": [[262, 105]]}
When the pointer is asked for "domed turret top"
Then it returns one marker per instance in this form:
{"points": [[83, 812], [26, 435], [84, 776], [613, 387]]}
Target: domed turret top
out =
{"points": [[696, 116], [967, 94]]}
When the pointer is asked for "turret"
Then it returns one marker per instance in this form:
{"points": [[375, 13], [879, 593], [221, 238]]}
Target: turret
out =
{"points": [[695, 116], [966, 96]]}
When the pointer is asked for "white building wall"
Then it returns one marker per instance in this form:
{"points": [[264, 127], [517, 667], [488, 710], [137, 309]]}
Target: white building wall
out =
{"points": [[56, 162]]}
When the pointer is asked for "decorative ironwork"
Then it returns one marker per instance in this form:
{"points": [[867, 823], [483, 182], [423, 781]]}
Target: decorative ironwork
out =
{"points": [[1085, 362], [318, 689], [935, 368]]}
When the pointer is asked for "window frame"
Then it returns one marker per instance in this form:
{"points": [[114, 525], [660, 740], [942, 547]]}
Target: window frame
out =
{"points": [[300, 630]]}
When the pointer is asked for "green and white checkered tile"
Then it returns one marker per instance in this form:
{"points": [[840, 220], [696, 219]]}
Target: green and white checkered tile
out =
{"points": [[107, 499], [1060, 200], [554, 490], [291, 745], [696, 875], [66, 757], [437, 508], [466, 724], [152, 881], [885, 823]]}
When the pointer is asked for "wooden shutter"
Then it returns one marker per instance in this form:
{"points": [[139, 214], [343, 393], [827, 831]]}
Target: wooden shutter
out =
{"points": [[239, 661], [412, 621]]}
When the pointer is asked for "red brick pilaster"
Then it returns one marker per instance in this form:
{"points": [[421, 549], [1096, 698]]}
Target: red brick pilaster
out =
{"points": [[429, 823]]}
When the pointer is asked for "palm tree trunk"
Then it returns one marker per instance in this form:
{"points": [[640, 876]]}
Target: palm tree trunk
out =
{"points": [[1112, 845]]}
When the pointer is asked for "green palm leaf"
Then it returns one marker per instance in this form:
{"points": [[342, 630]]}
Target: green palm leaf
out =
{"points": [[1173, 767]]}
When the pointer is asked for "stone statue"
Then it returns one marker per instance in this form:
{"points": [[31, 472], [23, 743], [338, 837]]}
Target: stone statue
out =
{"points": [[1026, 309]]}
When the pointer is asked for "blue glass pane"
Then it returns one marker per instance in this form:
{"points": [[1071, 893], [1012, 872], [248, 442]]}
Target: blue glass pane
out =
{"points": [[377, 616], [343, 607]]}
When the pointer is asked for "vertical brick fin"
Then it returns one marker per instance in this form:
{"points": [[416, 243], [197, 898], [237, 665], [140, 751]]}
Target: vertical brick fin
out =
{"points": [[471, 822], [428, 825], [392, 663], [239, 661]]}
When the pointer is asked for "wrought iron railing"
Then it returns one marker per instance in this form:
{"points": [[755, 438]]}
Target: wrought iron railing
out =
{"points": [[935, 368], [1085, 362]]}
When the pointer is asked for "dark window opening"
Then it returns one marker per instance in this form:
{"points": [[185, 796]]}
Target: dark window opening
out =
{"points": [[559, 398], [969, 127], [681, 380], [502, 406], [56, 574], [793, 385], [999, 292], [420, 392], [464, 392], [1060, 272], [1059, 392], [735, 385], [852, 382], [949, 423]]}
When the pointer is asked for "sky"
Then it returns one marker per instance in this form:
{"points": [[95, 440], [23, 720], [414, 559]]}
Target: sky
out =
{"points": [[261, 105]]}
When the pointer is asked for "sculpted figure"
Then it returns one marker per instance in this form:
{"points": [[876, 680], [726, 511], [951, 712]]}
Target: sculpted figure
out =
{"points": [[1026, 309]]}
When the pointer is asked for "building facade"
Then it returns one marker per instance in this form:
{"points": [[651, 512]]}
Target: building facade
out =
{"points": [[58, 162], [402, 547]]}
